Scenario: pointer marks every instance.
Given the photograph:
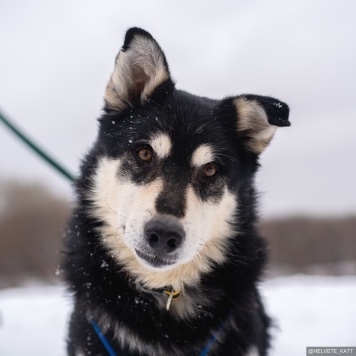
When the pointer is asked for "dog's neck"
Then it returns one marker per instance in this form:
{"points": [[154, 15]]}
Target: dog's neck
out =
{"points": [[166, 293]]}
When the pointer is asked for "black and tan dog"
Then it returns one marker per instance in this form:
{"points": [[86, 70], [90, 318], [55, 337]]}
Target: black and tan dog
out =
{"points": [[162, 254]]}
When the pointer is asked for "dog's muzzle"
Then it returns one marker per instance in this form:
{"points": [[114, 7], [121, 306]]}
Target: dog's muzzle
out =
{"points": [[162, 239]]}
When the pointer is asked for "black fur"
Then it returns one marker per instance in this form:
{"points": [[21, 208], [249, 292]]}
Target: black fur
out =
{"points": [[230, 301]]}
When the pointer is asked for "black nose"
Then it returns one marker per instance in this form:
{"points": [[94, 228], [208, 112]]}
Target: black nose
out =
{"points": [[164, 237]]}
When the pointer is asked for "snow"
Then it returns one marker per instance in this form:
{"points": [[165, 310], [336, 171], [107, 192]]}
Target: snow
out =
{"points": [[33, 321], [308, 310], [312, 311]]}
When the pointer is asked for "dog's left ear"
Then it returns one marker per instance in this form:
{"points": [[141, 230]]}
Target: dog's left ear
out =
{"points": [[140, 67], [258, 118]]}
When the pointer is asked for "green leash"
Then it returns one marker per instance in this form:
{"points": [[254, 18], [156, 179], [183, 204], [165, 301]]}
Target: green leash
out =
{"points": [[51, 161]]}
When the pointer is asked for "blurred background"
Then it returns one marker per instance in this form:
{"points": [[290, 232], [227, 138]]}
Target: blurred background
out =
{"points": [[55, 60]]}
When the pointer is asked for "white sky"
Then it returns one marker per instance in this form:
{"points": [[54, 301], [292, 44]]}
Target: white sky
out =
{"points": [[56, 57]]}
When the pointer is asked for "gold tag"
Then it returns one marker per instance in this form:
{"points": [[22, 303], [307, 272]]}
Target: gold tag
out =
{"points": [[171, 296]]}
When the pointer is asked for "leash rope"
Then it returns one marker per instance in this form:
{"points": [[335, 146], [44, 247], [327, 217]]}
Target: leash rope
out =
{"points": [[34, 147]]}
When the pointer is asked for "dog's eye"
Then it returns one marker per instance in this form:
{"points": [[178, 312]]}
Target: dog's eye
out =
{"points": [[145, 154], [210, 170]]}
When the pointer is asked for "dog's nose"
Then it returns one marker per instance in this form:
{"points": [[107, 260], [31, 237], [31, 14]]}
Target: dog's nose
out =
{"points": [[164, 237]]}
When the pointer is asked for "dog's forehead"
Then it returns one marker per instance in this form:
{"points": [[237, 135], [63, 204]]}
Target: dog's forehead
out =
{"points": [[192, 131], [166, 145], [161, 142], [184, 129], [203, 154]]}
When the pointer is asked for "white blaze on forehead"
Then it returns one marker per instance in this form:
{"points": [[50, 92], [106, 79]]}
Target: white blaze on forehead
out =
{"points": [[161, 144], [202, 155]]}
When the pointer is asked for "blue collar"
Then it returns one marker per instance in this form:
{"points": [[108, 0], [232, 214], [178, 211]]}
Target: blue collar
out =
{"points": [[112, 352]]}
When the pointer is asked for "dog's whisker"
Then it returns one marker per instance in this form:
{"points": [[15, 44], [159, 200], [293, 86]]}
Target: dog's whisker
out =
{"points": [[115, 212], [204, 242], [203, 260], [206, 245], [117, 231], [106, 201]]}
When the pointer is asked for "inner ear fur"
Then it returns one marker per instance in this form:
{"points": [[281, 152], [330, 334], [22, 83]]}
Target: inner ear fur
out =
{"points": [[140, 67], [258, 118]]}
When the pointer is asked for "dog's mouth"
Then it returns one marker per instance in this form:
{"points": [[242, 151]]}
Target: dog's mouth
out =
{"points": [[154, 261]]}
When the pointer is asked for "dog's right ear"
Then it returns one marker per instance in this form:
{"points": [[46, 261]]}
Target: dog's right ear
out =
{"points": [[258, 118], [140, 67]]}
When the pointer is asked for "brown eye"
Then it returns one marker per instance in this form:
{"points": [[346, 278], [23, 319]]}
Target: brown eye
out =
{"points": [[209, 170], [145, 154]]}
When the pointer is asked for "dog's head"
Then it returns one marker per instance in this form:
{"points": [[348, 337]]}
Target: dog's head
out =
{"points": [[170, 166]]}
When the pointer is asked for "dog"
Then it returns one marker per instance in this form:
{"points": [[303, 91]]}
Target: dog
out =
{"points": [[162, 255]]}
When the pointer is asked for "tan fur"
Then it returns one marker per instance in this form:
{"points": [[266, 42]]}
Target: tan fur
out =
{"points": [[254, 122], [161, 144], [143, 56], [202, 155]]}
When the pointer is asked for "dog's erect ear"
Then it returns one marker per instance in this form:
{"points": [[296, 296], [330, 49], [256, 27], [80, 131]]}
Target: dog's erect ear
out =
{"points": [[258, 118], [140, 67]]}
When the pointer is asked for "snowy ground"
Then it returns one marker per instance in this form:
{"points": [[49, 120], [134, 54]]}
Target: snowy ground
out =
{"points": [[310, 311]]}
